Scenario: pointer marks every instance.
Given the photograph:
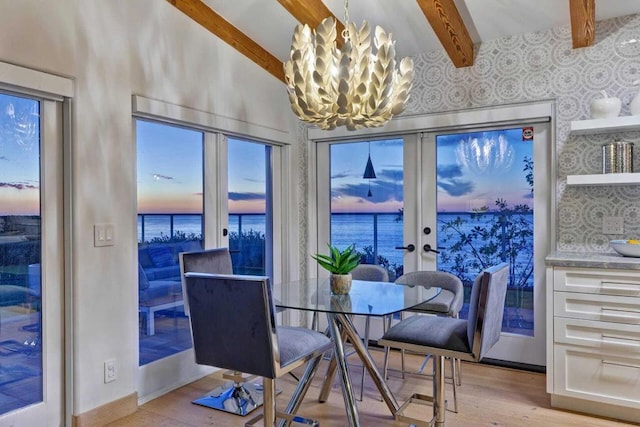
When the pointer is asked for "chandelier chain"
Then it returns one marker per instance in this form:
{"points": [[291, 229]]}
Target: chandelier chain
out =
{"points": [[345, 31]]}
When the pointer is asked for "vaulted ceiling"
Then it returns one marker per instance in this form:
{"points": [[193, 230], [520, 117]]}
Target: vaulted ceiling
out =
{"points": [[262, 29]]}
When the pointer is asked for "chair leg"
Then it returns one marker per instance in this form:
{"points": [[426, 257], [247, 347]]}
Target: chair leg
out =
{"points": [[402, 362], [366, 345], [453, 383], [269, 393], [438, 391], [385, 371]]}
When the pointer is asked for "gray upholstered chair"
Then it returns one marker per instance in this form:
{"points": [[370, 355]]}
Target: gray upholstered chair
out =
{"points": [[450, 337], [233, 327], [448, 303], [215, 261]]}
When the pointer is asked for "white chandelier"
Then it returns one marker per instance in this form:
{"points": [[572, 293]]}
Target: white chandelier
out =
{"points": [[352, 86]]}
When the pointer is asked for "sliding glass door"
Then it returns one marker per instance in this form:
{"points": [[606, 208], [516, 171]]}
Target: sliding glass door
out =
{"points": [[31, 261]]}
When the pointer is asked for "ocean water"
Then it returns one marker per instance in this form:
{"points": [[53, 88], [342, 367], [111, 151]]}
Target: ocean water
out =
{"points": [[382, 231]]}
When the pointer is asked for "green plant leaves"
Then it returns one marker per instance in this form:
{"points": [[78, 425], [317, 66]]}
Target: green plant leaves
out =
{"points": [[339, 262]]}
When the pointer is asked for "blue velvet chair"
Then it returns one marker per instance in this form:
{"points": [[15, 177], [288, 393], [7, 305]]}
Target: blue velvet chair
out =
{"points": [[214, 261], [442, 337], [233, 327]]}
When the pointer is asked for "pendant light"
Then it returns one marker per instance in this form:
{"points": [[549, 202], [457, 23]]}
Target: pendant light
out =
{"points": [[369, 172], [351, 86]]}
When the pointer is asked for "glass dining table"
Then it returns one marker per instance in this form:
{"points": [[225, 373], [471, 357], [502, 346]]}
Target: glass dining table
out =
{"points": [[379, 299]]}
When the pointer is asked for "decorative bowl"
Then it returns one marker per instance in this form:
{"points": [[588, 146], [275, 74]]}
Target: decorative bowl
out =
{"points": [[626, 249]]}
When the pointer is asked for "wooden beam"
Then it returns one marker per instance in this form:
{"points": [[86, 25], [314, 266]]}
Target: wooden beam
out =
{"points": [[312, 13], [583, 22], [205, 16], [447, 23]]}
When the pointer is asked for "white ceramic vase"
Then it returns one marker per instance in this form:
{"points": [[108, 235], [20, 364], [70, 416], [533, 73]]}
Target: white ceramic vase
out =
{"points": [[605, 107]]}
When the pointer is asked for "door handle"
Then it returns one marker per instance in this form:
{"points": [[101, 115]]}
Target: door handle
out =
{"points": [[410, 247], [427, 248]]}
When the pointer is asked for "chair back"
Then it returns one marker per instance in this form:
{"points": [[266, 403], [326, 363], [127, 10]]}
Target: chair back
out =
{"points": [[232, 322], [370, 272], [438, 279], [213, 261], [486, 308]]}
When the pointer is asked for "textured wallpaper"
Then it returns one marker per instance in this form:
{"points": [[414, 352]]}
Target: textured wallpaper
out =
{"points": [[543, 66]]}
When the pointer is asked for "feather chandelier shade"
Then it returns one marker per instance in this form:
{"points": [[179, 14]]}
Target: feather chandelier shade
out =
{"points": [[354, 86]]}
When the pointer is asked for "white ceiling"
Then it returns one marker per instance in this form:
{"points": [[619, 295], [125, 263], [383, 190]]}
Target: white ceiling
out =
{"points": [[270, 25]]}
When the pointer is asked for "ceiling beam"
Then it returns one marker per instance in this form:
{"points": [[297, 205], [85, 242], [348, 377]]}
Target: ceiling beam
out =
{"points": [[583, 22], [447, 23], [205, 16], [312, 13]]}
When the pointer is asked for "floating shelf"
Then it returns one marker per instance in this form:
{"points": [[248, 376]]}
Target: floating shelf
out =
{"points": [[615, 124], [605, 179]]}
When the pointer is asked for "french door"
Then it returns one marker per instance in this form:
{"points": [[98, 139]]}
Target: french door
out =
{"points": [[31, 265], [461, 200]]}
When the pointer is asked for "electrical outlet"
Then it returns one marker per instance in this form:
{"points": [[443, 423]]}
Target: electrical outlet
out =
{"points": [[612, 225], [110, 373]]}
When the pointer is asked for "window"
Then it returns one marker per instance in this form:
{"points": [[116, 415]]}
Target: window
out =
{"points": [[170, 221]]}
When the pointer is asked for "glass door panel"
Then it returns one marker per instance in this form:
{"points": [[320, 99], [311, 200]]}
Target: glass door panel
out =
{"points": [[21, 370], [250, 207], [170, 221], [487, 213], [31, 277], [366, 186]]}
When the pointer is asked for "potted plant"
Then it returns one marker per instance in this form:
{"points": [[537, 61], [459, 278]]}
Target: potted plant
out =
{"points": [[339, 264]]}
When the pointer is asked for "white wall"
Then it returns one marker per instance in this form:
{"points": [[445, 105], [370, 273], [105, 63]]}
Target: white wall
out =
{"points": [[114, 49]]}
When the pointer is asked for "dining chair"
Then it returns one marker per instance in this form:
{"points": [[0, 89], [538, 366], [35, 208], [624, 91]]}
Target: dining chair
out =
{"points": [[466, 339], [233, 327], [216, 261], [447, 303]]}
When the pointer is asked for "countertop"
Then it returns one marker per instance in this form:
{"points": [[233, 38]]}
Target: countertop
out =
{"points": [[608, 260]]}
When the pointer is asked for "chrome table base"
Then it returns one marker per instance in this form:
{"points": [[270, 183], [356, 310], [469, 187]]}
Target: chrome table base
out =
{"points": [[239, 399]]}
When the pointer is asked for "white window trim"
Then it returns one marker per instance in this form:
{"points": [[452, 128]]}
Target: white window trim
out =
{"points": [[33, 82], [163, 111]]}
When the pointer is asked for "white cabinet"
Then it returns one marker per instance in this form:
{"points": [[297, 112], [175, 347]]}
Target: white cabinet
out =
{"points": [[593, 341]]}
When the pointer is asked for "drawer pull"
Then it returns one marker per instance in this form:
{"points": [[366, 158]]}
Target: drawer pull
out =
{"points": [[620, 313], [621, 287], [606, 339], [624, 365]]}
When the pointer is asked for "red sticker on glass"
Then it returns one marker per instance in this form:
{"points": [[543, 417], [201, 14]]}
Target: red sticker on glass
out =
{"points": [[527, 134]]}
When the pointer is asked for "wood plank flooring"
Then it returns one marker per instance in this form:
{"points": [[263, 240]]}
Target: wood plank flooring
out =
{"points": [[489, 396]]}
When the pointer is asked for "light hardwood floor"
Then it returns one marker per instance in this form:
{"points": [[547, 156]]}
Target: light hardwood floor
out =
{"points": [[489, 396]]}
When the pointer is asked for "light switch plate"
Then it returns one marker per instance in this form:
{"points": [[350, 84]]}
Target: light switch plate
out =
{"points": [[103, 235]]}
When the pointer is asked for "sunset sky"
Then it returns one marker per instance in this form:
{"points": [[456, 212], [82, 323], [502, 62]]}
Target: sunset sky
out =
{"points": [[19, 156], [474, 169]]}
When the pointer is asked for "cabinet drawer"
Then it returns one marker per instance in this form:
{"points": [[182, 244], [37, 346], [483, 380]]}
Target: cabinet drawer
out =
{"points": [[595, 375], [605, 308], [603, 282], [613, 338]]}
